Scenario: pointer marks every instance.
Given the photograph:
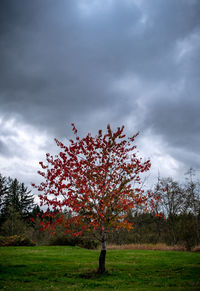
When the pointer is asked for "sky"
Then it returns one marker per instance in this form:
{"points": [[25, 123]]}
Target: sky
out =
{"points": [[94, 62]]}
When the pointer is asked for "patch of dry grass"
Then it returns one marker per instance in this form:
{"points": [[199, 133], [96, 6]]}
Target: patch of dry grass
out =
{"points": [[159, 246], [196, 249]]}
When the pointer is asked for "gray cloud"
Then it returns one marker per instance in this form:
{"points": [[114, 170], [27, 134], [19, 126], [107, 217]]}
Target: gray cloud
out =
{"points": [[3, 149], [62, 61]]}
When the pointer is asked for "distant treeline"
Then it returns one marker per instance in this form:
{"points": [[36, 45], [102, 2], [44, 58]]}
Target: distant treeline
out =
{"points": [[175, 221]]}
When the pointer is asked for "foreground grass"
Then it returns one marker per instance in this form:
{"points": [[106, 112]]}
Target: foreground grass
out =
{"points": [[73, 268]]}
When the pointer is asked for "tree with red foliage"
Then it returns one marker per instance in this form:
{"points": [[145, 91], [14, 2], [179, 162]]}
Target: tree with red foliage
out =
{"points": [[97, 179]]}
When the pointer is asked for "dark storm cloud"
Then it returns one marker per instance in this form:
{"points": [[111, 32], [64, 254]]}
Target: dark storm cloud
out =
{"points": [[49, 74], [60, 62]]}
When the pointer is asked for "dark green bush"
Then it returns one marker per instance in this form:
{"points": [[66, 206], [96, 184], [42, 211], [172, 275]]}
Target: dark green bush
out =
{"points": [[69, 240], [88, 244], [16, 240]]}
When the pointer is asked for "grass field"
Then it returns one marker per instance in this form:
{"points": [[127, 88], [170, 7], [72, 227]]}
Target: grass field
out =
{"points": [[73, 268]]}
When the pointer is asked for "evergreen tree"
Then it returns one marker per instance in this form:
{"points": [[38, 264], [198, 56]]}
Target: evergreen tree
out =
{"points": [[17, 197], [3, 190], [26, 199]]}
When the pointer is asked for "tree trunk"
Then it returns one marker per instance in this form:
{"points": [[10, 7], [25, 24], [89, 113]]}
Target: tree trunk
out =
{"points": [[102, 257]]}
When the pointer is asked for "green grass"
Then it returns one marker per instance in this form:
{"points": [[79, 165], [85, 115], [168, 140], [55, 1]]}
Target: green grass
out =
{"points": [[73, 268]]}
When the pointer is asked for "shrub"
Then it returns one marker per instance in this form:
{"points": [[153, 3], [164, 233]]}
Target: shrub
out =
{"points": [[16, 240]]}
